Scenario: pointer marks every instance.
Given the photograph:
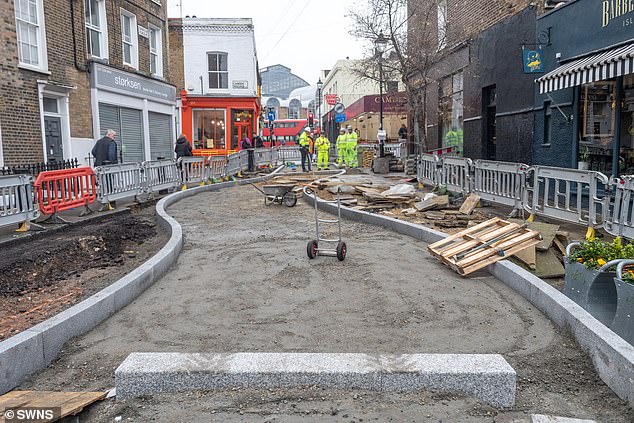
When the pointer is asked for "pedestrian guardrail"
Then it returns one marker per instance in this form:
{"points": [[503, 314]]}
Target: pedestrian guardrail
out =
{"points": [[160, 175], [290, 154], [193, 170], [217, 167], [17, 205], [620, 220], [569, 195], [118, 181], [500, 182], [60, 190], [456, 174], [428, 170]]}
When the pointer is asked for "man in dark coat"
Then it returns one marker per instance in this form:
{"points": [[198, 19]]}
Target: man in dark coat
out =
{"points": [[246, 145], [105, 150], [183, 147]]}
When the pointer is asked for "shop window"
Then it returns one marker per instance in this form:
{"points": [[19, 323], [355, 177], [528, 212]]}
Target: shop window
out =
{"points": [[30, 33], [626, 127], [548, 112], [596, 138], [156, 52], [218, 70], [129, 39], [209, 128], [450, 109], [96, 32], [442, 24]]}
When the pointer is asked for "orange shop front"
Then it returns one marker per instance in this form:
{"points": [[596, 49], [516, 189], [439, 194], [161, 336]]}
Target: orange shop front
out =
{"points": [[217, 125]]}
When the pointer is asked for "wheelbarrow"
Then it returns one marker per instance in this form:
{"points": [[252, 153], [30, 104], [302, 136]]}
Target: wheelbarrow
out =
{"points": [[278, 194]]}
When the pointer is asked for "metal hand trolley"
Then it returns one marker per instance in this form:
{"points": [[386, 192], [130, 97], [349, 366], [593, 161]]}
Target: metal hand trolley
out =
{"points": [[313, 250], [280, 194]]}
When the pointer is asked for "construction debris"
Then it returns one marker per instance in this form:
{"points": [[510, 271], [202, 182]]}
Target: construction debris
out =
{"points": [[433, 202], [483, 244], [69, 403], [470, 204]]}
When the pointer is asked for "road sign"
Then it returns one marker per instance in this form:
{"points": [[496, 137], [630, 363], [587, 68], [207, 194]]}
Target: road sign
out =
{"points": [[331, 99], [339, 108], [271, 116], [340, 117]]}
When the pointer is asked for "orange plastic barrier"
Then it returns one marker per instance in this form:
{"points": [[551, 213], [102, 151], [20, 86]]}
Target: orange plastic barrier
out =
{"points": [[60, 190]]}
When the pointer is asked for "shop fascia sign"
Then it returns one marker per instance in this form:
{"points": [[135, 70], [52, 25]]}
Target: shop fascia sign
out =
{"points": [[111, 79], [617, 9]]}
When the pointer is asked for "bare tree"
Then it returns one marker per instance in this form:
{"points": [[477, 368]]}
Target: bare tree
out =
{"points": [[416, 30]]}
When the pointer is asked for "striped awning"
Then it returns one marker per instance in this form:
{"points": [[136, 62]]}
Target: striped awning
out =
{"points": [[597, 67]]}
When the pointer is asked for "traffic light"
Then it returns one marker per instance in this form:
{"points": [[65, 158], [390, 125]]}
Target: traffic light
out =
{"points": [[311, 119]]}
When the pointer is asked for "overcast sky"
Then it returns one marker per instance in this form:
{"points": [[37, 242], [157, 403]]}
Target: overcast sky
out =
{"points": [[304, 35]]}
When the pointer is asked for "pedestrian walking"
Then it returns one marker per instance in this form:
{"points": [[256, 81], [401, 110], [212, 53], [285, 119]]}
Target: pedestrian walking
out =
{"points": [[304, 145], [183, 148], [402, 133], [105, 150], [341, 145], [323, 145], [246, 145]]}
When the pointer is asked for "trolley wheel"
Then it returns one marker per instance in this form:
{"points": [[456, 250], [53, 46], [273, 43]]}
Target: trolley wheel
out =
{"points": [[289, 199], [311, 249], [266, 201], [341, 250]]}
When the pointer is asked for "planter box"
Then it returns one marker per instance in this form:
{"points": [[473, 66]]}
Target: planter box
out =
{"points": [[623, 323], [593, 290]]}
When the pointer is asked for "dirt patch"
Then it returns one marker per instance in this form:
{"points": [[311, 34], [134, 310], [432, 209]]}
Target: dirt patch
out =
{"points": [[43, 276]]}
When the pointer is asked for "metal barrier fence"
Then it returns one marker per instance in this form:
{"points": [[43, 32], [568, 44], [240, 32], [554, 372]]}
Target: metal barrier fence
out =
{"points": [[118, 181], [234, 163], [17, 203], [500, 182], [193, 170], [160, 175], [218, 167], [428, 170], [620, 220], [567, 194], [288, 154], [456, 174]]}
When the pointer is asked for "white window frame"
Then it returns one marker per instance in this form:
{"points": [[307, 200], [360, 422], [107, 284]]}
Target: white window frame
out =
{"points": [[133, 42], [209, 71], [157, 52], [40, 37], [442, 24], [102, 29]]}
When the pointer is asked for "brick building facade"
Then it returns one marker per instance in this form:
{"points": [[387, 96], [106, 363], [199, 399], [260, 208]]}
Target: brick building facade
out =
{"points": [[477, 96], [51, 106]]}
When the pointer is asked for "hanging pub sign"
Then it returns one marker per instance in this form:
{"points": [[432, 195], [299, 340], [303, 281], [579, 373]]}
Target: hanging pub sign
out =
{"points": [[532, 60]]}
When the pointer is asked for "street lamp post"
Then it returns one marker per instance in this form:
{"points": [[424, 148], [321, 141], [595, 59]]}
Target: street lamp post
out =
{"points": [[381, 45], [320, 85]]}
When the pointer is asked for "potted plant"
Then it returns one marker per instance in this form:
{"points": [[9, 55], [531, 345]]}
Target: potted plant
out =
{"points": [[584, 155], [588, 273], [623, 323]]}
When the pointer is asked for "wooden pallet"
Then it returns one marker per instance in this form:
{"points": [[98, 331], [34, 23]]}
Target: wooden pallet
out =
{"points": [[483, 244], [70, 403]]}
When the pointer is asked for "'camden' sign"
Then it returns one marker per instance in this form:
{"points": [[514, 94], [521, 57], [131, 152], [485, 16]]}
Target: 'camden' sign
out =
{"points": [[105, 77]]}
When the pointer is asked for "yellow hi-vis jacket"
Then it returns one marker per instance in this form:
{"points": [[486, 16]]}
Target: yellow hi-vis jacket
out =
{"points": [[342, 141], [303, 140], [322, 144], [351, 139]]}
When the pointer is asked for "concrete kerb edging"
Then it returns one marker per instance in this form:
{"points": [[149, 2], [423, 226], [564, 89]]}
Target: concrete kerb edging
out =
{"points": [[32, 350], [487, 377], [613, 358]]}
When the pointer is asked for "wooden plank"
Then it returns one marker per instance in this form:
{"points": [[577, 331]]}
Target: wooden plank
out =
{"points": [[69, 402], [472, 229], [470, 204], [489, 235], [506, 243], [481, 264]]}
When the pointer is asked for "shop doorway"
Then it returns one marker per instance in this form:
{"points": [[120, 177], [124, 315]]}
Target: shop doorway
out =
{"points": [[490, 140], [241, 127], [53, 139]]}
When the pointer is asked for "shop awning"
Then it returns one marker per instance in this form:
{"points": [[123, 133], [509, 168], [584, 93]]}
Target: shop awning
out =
{"points": [[597, 67]]}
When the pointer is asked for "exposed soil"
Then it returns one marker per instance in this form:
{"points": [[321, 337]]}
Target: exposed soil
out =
{"points": [[41, 277]]}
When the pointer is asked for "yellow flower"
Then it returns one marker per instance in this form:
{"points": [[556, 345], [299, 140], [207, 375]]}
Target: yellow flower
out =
{"points": [[580, 260], [601, 262]]}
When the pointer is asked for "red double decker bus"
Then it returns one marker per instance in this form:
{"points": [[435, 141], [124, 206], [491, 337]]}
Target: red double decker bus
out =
{"points": [[286, 131]]}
